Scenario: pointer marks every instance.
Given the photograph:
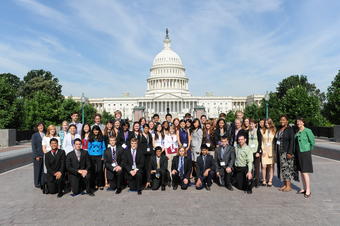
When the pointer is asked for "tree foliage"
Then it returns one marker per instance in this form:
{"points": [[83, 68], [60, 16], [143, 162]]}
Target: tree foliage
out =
{"points": [[252, 111], [107, 116], [230, 116], [332, 106]]}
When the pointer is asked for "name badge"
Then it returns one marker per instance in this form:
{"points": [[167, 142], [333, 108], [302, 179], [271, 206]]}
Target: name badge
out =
{"points": [[114, 164], [269, 144], [208, 145], [278, 142], [148, 149], [222, 163], [124, 146], [252, 145], [185, 145]]}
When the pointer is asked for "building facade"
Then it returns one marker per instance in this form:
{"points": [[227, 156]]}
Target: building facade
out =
{"points": [[167, 91]]}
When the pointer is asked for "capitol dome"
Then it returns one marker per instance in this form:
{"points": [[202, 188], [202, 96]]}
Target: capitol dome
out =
{"points": [[167, 73]]}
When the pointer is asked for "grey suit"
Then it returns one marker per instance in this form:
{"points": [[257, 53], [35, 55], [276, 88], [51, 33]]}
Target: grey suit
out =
{"points": [[196, 142], [222, 162]]}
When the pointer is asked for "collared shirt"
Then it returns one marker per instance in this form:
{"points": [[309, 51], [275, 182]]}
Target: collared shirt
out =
{"points": [[113, 152], [78, 154], [223, 150], [158, 160], [78, 125], [134, 153], [244, 157]]}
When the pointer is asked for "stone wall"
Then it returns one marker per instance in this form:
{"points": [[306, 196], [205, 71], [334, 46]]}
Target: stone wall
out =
{"points": [[7, 137]]}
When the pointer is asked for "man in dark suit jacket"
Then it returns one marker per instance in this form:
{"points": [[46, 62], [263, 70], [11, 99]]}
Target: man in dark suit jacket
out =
{"points": [[113, 164], [225, 159], [133, 163], [205, 169], [180, 170], [236, 132], [78, 165], [158, 170], [38, 155], [55, 166]]}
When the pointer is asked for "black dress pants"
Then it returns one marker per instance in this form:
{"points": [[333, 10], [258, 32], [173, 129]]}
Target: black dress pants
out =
{"points": [[177, 180], [97, 171], [38, 168]]}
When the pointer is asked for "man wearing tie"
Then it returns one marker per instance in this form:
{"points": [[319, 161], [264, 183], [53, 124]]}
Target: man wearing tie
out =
{"points": [[181, 169], [133, 163], [225, 159], [158, 170], [113, 165], [55, 166], [205, 169], [78, 164]]}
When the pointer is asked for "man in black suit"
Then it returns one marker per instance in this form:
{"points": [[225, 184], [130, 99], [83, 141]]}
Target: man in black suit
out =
{"points": [[38, 155], [225, 159], [236, 132], [133, 163], [205, 169], [78, 165], [158, 170], [180, 170], [55, 166], [113, 164]]}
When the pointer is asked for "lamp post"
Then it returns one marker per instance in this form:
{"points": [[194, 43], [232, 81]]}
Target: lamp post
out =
{"points": [[266, 98], [82, 99]]}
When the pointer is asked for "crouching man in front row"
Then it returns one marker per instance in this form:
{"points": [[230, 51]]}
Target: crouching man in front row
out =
{"points": [[55, 166], [113, 164], [180, 170], [159, 173], [78, 165], [243, 166], [205, 169]]}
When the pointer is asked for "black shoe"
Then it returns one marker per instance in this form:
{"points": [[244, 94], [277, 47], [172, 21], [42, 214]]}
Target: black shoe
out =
{"points": [[249, 192], [118, 190], [60, 195], [175, 187], [207, 187], [229, 187], [163, 188], [90, 194], [139, 192], [101, 188]]}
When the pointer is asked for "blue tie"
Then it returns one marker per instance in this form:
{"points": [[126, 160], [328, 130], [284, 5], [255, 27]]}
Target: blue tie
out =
{"points": [[181, 167]]}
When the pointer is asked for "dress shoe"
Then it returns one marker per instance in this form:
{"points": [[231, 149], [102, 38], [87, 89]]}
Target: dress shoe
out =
{"points": [[175, 187], [163, 188], [60, 195], [229, 187], [207, 188], [118, 190], [139, 192], [90, 194], [249, 192]]}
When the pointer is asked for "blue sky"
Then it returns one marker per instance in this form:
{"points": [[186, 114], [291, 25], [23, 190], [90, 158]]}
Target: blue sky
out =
{"points": [[231, 48]]}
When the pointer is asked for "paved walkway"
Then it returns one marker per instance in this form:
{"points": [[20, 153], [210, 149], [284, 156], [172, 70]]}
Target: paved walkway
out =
{"points": [[20, 203]]}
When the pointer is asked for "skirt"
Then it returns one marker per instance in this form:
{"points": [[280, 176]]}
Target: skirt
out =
{"points": [[288, 169], [304, 162]]}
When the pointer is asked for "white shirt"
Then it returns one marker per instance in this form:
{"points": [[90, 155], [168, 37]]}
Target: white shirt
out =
{"points": [[68, 143], [170, 141]]}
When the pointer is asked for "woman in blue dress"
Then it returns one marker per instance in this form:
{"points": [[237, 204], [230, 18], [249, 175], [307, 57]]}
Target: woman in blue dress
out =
{"points": [[184, 138]]}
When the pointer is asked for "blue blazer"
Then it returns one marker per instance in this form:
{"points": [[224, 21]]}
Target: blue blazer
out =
{"points": [[37, 145]]}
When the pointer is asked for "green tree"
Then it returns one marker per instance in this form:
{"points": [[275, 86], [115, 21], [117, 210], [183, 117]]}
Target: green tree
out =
{"points": [[332, 106], [10, 100], [252, 111], [230, 116], [44, 81], [89, 112], [107, 116]]}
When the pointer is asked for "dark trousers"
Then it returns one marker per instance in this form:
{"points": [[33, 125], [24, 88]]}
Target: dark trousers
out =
{"points": [[116, 180], [240, 179], [97, 174], [55, 186], [207, 180], [135, 182], [177, 180], [38, 168], [226, 177], [79, 183], [161, 181], [147, 169], [257, 165]]}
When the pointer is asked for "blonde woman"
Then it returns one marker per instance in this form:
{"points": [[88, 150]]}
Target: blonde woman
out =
{"points": [[51, 133], [268, 151]]}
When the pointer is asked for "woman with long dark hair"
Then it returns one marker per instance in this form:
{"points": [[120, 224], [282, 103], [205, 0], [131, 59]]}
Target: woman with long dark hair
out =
{"points": [[85, 136], [96, 148]]}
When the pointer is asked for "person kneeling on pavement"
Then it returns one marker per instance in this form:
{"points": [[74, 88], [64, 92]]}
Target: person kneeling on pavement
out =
{"points": [[205, 169], [159, 170]]}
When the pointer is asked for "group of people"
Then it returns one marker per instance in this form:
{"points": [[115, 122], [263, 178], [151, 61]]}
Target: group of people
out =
{"points": [[175, 152]]}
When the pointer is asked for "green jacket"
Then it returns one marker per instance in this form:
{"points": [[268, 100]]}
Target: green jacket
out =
{"points": [[305, 140]]}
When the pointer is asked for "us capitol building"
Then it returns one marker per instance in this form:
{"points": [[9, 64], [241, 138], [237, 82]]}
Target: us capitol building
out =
{"points": [[168, 91]]}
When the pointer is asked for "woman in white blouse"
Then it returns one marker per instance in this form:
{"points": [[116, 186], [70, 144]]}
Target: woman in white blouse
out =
{"points": [[51, 133]]}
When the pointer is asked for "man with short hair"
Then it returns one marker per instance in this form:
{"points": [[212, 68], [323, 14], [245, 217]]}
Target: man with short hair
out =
{"points": [[236, 132], [155, 118], [97, 122], [78, 165], [243, 166], [203, 120], [133, 163], [225, 159], [205, 169], [74, 121], [168, 118], [55, 167], [158, 170]]}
